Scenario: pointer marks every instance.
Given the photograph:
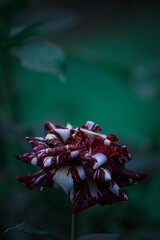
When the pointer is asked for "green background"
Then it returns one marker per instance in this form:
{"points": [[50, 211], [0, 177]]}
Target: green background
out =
{"points": [[112, 69]]}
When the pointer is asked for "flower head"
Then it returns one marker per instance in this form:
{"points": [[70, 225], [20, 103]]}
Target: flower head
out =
{"points": [[86, 164]]}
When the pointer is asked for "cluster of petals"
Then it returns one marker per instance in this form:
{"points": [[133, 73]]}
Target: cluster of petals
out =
{"points": [[87, 165]]}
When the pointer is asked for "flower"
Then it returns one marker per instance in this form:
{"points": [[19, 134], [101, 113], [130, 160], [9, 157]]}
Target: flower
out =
{"points": [[86, 164]]}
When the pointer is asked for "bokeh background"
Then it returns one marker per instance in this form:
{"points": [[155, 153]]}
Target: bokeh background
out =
{"points": [[108, 72]]}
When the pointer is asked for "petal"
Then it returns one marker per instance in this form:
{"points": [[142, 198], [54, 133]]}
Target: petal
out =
{"points": [[37, 143], [50, 151], [53, 161], [116, 190], [125, 177], [40, 178], [88, 162], [63, 133], [98, 146], [50, 136], [112, 137], [78, 174], [48, 161], [69, 126], [74, 154], [107, 142], [88, 193], [125, 153], [109, 195], [68, 177], [81, 196], [63, 178], [100, 159], [28, 158], [102, 174], [92, 126], [49, 127]]}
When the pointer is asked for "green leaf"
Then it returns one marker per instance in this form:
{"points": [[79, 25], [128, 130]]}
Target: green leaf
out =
{"points": [[54, 19], [20, 35], [42, 56], [99, 236], [29, 229]]}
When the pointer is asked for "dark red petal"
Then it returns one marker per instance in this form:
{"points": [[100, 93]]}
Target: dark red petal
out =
{"points": [[88, 162], [50, 151], [48, 127], [41, 178], [26, 157], [102, 174], [88, 193], [91, 126], [82, 197], [98, 146], [61, 159], [63, 134], [125, 177], [107, 197], [37, 143], [125, 181], [112, 137], [77, 173], [125, 153]]}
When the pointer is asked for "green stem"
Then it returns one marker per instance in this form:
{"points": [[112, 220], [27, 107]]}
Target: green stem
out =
{"points": [[74, 226]]}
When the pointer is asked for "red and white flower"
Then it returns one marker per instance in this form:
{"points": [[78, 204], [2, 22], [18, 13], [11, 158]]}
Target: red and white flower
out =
{"points": [[86, 164]]}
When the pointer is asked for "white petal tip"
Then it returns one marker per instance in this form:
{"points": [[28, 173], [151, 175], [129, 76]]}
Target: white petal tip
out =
{"points": [[50, 136], [100, 159], [52, 125], [69, 126], [107, 142], [64, 133], [34, 161], [108, 177], [47, 164]]}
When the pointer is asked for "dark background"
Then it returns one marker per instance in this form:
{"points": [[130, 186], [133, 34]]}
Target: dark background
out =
{"points": [[112, 70]]}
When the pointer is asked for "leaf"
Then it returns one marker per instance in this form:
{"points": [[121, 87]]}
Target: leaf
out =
{"points": [[29, 229], [54, 19], [42, 56], [99, 236], [20, 35]]}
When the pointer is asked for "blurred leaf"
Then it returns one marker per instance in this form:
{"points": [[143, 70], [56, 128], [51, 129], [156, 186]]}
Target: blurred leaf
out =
{"points": [[20, 35], [99, 236], [42, 56], [29, 229], [54, 19]]}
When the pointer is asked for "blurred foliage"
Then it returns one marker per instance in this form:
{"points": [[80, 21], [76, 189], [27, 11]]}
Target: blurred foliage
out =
{"points": [[43, 56], [29, 229], [39, 55], [99, 236], [112, 53]]}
